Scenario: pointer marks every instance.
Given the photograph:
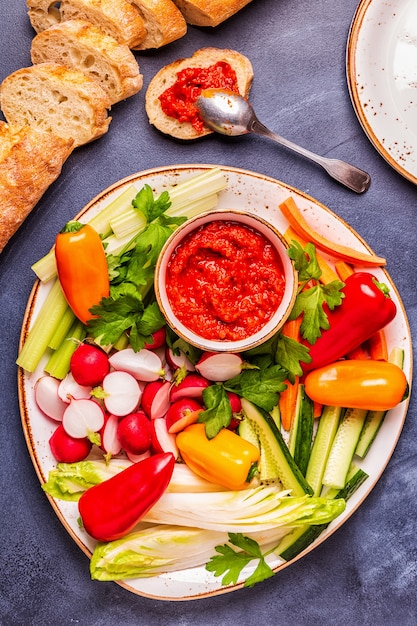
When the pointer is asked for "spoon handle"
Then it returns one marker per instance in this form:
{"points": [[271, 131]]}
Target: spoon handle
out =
{"points": [[352, 177]]}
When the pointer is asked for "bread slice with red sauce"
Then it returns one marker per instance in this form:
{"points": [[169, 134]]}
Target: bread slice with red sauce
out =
{"points": [[167, 76]]}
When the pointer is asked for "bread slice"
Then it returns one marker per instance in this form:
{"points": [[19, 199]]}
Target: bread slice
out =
{"points": [[117, 18], [209, 12], [167, 76], [29, 163], [80, 44], [51, 97], [164, 23]]}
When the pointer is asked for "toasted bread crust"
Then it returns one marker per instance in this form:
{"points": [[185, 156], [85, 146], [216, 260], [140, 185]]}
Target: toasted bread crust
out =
{"points": [[29, 162], [204, 57], [80, 44], [209, 12], [163, 20], [52, 97]]}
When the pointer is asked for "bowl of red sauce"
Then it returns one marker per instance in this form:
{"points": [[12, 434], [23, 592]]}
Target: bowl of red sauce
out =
{"points": [[224, 281]]}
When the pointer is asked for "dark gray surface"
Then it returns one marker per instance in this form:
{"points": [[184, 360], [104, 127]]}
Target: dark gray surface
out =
{"points": [[366, 572]]}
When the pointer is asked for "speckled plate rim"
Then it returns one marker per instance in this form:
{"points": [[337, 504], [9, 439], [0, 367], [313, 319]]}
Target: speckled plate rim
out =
{"points": [[376, 32], [260, 194]]}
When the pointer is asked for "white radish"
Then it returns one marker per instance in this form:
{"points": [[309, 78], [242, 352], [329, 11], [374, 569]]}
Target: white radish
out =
{"points": [[177, 361], [82, 418], [162, 440], [219, 366], [68, 389], [109, 439], [122, 393], [136, 458], [155, 398], [47, 398], [144, 365], [192, 386]]}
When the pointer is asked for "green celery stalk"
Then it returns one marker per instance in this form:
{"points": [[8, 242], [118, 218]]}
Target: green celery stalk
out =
{"points": [[59, 362], [60, 333], [43, 328]]}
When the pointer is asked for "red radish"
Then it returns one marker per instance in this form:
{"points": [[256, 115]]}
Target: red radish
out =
{"points": [[182, 413], [68, 389], [235, 402], [110, 442], [134, 433], [162, 440], [158, 337], [67, 449], [47, 398], [155, 398], [89, 364], [122, 393], [219, 366], [144, 365], [177, 361], [83, 418], [136, 458], [192, 386]]}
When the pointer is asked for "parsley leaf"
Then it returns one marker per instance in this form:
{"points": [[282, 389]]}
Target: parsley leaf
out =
{"points": [[229, 563], [289, 353], [260, 386], [151, 208], [311, 301], [218, 413]]}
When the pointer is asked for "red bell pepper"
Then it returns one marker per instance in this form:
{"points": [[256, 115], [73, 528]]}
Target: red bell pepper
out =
{"points": [[112, 508], [366, 308]]}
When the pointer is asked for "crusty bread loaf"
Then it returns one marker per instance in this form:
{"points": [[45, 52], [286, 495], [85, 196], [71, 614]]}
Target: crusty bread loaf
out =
{"points": [[29, 162], [163, 20], [166, 77], [52, 97], [209, 12], [117, 18], [80, 44]]}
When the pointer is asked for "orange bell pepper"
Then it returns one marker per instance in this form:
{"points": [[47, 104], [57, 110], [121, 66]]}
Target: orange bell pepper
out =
{"points": [[358, 384], [82, 268], [226, 459]]}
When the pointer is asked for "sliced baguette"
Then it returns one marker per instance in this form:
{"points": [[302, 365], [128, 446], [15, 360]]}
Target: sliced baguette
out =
{"points": [[29, 163], [51, 97], [209, 12], [163, 20], [117, 18], [166, 77], [80, 44], [43, 14]]}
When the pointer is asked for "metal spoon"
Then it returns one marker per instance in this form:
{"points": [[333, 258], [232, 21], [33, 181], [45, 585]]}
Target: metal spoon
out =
{"points": [[230, 114]]}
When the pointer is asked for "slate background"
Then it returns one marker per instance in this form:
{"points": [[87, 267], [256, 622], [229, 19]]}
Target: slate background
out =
{"points": [[366, 572]]}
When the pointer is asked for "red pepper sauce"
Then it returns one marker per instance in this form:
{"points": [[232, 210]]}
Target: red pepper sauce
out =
{"points": [[178, 100], [225, 281]]}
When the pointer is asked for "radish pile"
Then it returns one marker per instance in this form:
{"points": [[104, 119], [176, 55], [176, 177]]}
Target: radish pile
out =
{"points": [[130, 402]]}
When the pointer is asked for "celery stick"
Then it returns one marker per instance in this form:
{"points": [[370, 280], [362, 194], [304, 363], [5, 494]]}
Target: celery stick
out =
{"points": [[45, 268], [62, 330], [43, 328], [59, 363]]}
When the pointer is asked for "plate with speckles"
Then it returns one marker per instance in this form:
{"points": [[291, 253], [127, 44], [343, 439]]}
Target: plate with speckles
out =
{"points": [[381, 61]]}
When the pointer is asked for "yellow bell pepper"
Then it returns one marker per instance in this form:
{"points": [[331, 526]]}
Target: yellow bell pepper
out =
{"points": [[225, 460]]}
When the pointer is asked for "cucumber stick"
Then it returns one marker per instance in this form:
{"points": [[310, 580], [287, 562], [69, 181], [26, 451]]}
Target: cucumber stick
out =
{"points": [[374, 419], [343, 448], [301, 432], [326, 432], [300, 538], [276, 460]]}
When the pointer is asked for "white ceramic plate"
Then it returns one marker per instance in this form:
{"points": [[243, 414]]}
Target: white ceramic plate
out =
{"points": [[382, 78], [260, 195]]}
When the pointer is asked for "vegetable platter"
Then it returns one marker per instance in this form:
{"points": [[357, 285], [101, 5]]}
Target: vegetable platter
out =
{"points": [[262, 196]]}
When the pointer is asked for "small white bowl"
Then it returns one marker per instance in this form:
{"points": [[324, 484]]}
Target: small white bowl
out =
{"points": [[275, 322]]}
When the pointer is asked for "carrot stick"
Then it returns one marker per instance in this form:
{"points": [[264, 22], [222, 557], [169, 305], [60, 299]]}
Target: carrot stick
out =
{"points": [[317, 409], [377, 346], [350, 255], [288, 398], [361, 353], [343, 270], [327, 273]]}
